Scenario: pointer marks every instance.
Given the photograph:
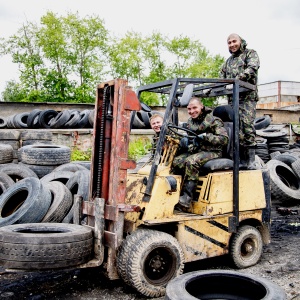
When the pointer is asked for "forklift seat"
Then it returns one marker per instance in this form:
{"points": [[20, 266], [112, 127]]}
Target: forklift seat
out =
{"points": [[225, 113]]}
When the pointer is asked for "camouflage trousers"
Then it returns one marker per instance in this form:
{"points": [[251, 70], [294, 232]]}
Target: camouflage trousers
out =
{"points": [[247, 114], [189, 164]]}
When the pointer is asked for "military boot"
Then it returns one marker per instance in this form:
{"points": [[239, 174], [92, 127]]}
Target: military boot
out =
{"points": [[251, 163], [188, 192]]}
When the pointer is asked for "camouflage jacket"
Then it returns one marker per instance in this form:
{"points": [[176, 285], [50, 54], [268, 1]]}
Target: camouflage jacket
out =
{"points": [[243, 65], [216, 135]]}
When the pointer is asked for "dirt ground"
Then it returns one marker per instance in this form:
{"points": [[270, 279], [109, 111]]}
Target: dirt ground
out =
{"points": [[280, 263]]}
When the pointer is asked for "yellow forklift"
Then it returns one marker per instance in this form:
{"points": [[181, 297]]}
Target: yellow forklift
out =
{"points": [[134, 231]]}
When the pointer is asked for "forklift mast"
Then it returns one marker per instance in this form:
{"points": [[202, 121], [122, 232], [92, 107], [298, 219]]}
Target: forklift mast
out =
{"points": [[114, 102]]}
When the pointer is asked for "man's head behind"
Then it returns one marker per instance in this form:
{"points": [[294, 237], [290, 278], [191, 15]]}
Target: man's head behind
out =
{"points": [[195, 107], [156, 121]]}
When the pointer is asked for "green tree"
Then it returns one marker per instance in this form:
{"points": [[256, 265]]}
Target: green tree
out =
{"points": [[13, 92], [25, 51]]}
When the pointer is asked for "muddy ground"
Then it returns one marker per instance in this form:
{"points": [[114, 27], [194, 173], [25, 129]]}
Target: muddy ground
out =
{"points": [[280, 263]]}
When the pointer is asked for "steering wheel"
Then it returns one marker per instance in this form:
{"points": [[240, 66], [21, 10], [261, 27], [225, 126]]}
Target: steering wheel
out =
{"points": [[191, 134]]}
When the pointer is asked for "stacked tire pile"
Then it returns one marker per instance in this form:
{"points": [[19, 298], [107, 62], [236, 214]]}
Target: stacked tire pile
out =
{"points": [[50, 118], [269, 138], [28, 196]]}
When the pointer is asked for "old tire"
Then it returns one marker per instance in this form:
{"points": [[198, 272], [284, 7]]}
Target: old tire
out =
{"points": [[72, 167], [27, 201], [78, 184], [33, 118], [6, 153], [40, 171], [62, 176], [155, 259], [17, 171], [222, 284], [246, 247], [262, 122], [60, 204], [5, 182], [45, 154], [55, 246], [285, 185], [45, 117]]}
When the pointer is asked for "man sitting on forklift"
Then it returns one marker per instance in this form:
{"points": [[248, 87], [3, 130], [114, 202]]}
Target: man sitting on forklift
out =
{"points": [[208, 144]]}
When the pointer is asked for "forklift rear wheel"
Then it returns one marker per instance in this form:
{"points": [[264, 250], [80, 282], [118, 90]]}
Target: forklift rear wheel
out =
{"points": [[155, 259], [246, 247]]}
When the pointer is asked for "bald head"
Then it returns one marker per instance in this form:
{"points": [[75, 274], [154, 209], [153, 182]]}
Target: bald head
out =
{"points": [[233, 36], [234, 42]]}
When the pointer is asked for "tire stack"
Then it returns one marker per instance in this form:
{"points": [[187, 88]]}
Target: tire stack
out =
{"points": [[42, 158], [34, 137], [12, 138]]}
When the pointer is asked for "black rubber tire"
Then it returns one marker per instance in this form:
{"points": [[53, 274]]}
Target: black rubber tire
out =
{"points": [[20, 120], [155, 259], [61, 176], [138, 123], [40, 171], [246, 247], [33, 118], [91, 117], [5, 182], [125, 250], [274, 154], [61, 202], [222, 284], [262, 122], [45, 117], [60, 119], [6, 153], [17, 171], [55, 246], [73, 120], [3, 122], [144, 117], [145, 107], [84, 119], [45, 154], [6, 134], [296, 167], [72, 167], [36, 135], [78, 184], [27, 201], [286, 158], [285, 185]]}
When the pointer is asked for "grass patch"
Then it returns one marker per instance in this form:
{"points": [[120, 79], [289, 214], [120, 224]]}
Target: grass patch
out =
{"points": [[139, 147], [80, 155]]}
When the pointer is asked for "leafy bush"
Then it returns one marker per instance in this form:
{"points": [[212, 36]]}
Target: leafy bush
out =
{"points": [[80, 155], [139, 147]]}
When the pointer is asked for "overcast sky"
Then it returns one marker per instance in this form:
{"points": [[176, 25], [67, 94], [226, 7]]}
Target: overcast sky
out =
{"points": [[271, 27]]}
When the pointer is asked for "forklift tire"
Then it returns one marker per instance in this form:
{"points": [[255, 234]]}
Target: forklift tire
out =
{"points": [[38, 246], [125, 250], [154, 260], [246, 247], [222, 284]]}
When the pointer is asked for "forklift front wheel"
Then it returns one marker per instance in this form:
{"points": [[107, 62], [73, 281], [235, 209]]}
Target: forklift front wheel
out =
{"points": [[246, 247], [155, 259]]}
